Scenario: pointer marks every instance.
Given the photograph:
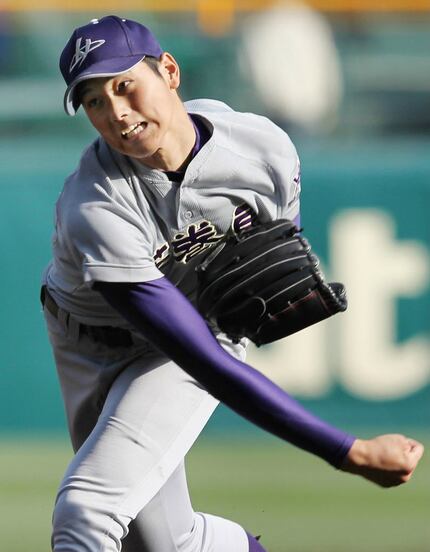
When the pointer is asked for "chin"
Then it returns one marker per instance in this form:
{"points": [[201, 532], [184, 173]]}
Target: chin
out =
{"points": [[141, 149], [141, 146], [127, 149], [142, 153]]}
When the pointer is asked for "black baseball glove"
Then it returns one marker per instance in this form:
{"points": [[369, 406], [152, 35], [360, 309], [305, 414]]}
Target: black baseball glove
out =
{"points": [[264, 283]]}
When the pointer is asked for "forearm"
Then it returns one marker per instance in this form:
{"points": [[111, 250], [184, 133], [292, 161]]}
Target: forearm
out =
{"points": [[172, 324]]}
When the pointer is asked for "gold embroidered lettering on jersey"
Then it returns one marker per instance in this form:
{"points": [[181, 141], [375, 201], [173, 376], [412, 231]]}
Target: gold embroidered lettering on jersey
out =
{"points": [[162, 255], [243, 217], [195, 239]]}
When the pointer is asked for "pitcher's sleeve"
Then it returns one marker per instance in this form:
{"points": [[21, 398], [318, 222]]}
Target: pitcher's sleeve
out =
{"points": [[111, 241]]}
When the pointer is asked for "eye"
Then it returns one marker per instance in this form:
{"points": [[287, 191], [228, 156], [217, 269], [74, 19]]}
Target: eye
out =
{"points": [[92, 102], [123, 85]]}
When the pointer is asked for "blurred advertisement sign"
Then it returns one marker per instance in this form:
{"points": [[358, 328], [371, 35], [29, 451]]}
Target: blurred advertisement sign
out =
{"points": [[360, 349]]}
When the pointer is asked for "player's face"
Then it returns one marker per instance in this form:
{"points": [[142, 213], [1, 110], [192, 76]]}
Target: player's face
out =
{"points": [[136, 112]]}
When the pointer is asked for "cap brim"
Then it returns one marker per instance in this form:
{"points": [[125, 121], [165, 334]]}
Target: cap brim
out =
{"points": [[105, 68]]}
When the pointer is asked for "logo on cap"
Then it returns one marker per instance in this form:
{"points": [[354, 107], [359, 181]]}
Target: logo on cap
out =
{"points": [[81, 52]]}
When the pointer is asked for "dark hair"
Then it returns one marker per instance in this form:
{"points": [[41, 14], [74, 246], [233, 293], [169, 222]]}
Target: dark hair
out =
{"points": [[153, 63]]}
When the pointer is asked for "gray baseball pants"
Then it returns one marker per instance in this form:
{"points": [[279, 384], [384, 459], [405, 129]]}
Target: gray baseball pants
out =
{"points": [[132, 415]]}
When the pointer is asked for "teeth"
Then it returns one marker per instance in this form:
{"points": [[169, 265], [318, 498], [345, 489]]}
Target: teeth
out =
{"points": [[130, 129]]}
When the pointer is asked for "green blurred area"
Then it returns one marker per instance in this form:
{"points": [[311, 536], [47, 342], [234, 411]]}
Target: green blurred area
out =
{"points": [[383, 61], [295, 501]]}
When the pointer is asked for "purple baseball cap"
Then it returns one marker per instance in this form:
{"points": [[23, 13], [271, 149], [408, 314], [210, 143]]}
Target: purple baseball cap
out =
{"points": [[104, 48]]}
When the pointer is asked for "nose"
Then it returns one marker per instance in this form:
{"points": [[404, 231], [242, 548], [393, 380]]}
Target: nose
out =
{"points": [[119, 108]]}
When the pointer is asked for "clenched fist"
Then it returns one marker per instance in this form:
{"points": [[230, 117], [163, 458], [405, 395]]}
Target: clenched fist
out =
{"points": [[387, 460]]}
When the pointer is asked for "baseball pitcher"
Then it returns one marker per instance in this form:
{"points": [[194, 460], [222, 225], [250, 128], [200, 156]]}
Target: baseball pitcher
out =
{"points": [[176, 242]]}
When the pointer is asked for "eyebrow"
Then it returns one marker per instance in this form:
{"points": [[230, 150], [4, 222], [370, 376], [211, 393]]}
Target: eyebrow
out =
{"points": [[86, 86]]}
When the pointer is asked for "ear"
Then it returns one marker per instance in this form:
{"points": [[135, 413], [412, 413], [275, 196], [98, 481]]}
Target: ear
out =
{"points": [[169, 69]]}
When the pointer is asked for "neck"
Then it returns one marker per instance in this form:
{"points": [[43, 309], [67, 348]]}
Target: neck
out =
{"points": [[174, 154]]}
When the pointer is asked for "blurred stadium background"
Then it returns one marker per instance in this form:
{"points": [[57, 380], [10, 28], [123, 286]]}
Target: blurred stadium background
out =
{"points": [[350, 81]]}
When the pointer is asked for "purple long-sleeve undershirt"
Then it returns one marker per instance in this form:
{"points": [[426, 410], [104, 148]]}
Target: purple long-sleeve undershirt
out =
{"points": [[166, 318]]}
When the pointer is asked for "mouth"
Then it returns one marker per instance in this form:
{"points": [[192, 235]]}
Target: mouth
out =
{"points": [[133, 130]]}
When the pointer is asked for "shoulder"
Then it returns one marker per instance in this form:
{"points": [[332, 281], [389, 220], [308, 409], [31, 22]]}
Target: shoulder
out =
{"points": [[206, 106], [90, 188], [258, 149], [98, 169], [87, 171], [249, 134]]}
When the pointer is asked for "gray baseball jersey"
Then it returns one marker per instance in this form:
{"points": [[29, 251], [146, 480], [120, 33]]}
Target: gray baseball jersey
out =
{"points": [[119, 221]]}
